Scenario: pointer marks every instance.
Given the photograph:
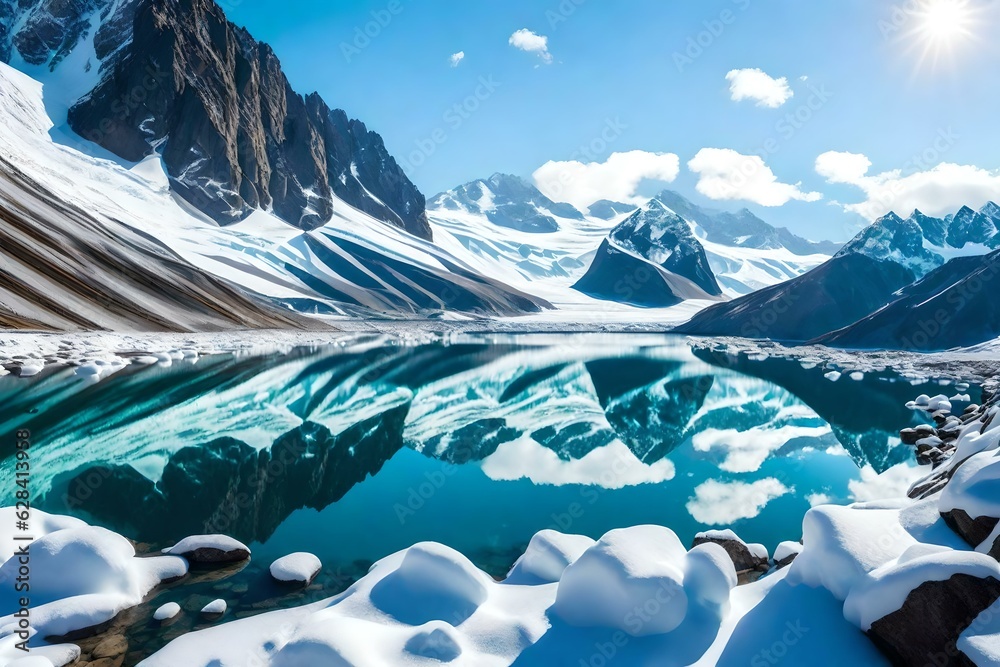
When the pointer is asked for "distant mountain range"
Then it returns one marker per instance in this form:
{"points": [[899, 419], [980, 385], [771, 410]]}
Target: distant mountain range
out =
{"points": [[922, 283], [650, 257], [507, 201]]}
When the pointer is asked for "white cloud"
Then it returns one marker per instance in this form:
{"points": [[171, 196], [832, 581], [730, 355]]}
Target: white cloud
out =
{"points": [[616, 179], [755, 84], [746, 451], [531, 42], [815, 499], [726, 174], [456, 58], [613, 466], [718, 503], [893, 483], [936, 191]]}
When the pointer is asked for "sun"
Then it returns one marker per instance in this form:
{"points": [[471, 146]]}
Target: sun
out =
{"points": [[943, 22], [942, 26]]}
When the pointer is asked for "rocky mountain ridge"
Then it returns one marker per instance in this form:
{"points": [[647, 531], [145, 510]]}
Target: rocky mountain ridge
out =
{"points": [[507, 201], [177, 78]]}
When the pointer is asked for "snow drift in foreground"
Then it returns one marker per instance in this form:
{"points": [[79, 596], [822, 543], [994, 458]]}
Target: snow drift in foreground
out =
{"points": [[80, 576]]}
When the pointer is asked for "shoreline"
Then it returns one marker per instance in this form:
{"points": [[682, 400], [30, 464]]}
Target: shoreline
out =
{"points": [[38, 351]]}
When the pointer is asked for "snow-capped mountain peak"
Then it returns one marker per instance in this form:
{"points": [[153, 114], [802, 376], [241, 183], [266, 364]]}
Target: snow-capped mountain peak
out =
{"points": [[923, 243], [94, 54], [507, 201]]}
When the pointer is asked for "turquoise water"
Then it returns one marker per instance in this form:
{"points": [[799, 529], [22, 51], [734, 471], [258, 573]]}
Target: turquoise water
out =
{"points": [[358, 450], [477, 444]]}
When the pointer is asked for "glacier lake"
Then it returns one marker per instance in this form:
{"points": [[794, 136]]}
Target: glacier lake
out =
{"points": [[357, 450]]}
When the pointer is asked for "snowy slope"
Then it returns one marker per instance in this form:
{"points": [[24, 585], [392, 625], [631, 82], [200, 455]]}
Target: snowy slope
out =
{"points": [[354, 265], [549, 264]]}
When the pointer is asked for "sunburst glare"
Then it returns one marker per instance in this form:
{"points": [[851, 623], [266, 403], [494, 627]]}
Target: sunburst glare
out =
{"points": [[942, 27]]}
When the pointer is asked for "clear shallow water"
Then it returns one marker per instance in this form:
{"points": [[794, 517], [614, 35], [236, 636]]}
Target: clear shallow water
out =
{"points": [[355, 451]]}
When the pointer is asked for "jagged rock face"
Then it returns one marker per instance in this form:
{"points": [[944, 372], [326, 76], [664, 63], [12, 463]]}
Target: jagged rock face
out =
{"points": [[233, 134], [743, 229], [892, 238], [507, 201], [50, 28], [659, 235], [616, 275], [652, 260], [969, 226], [934, 230], [920, 241]]}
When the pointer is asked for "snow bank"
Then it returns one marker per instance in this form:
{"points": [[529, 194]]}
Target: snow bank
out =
{"points": [[641, 569], [548, 555], [427, 602], [81, 576], [296, 568], [843, 544], [432, 583]]}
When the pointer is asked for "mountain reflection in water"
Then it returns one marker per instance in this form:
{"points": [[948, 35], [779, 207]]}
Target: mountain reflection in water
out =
{"points": [[245, 445]]}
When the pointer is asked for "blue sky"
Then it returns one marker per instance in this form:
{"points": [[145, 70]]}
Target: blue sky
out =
{"points": [[613, 69]]}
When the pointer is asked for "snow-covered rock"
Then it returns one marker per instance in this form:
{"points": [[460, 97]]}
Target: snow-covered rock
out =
{"points": [[843, 544], [750, 560], [296, 568], [548, 555], [167, 611], [210, 549], [214, 608], [917, 606], [786, 553]]}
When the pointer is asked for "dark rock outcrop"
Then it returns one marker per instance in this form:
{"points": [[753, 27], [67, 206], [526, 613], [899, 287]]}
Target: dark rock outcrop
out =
{"points": [[214, 102], [973, 531], [832, 296], [924, 631], [616, 275], [954, 305], [213, 556], [660, 236]]}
